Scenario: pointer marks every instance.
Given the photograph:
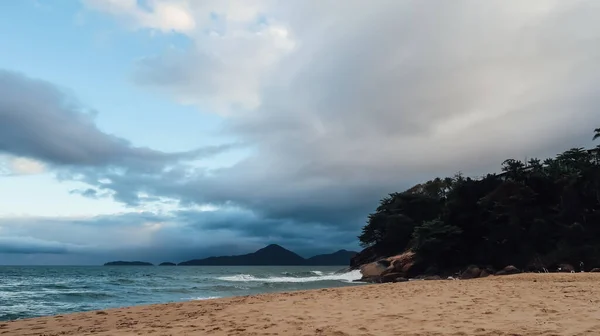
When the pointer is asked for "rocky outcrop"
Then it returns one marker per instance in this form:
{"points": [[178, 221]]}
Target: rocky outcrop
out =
{"points": [[389, 268], [595, 270], [403, 262], [508, 270], [393, 277], [373, 271], [471, 272], [428, 277]]}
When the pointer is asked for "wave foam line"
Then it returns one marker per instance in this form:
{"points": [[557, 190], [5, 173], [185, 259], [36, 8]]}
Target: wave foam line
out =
{"points": [[344, 277]]}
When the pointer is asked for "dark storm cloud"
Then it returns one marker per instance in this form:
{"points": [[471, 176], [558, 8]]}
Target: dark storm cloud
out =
{"points": [[38, 120], [29, 245]]}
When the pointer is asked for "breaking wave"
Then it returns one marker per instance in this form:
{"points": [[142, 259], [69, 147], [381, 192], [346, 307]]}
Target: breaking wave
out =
{"points": [[201, 298], [313, 276]]}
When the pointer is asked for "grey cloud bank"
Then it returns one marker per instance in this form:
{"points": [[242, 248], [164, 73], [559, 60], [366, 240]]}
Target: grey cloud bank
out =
{"points": [[363, 101], [41, 121]]}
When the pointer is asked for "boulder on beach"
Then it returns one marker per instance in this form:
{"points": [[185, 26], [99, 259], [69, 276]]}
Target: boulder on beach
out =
{"points": [[508, 270], [595, 270], [471, 272], [373, 269]]}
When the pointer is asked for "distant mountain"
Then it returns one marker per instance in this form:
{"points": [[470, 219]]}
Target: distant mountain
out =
{"points": [[272, 255], [166, 263], [339, 258], [128, 263]]}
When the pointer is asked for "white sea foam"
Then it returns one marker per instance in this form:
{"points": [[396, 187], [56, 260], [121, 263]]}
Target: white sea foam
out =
{"points": [[203, 298], [344, 277]]}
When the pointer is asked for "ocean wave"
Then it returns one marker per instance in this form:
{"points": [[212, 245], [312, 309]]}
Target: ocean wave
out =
{"points": [[13, 316], [201, 298], [82, 295], [122, 281], [343, 277], [302, 274]]}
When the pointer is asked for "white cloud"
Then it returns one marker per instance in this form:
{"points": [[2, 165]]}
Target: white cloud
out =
{"points": [[159, 14], [26, 166]]}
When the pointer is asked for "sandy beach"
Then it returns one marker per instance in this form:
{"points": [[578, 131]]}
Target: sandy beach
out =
{"points": [[526, 304]]}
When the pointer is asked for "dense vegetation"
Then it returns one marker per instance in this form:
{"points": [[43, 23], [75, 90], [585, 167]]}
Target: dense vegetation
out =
{"points": [[533, 215]]}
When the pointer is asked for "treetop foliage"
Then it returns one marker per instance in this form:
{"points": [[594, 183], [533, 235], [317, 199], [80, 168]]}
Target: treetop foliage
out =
{"points": [[533, 214]]}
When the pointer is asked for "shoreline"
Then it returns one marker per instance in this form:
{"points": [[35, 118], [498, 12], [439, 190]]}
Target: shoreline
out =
{"points": [[523, 304]]}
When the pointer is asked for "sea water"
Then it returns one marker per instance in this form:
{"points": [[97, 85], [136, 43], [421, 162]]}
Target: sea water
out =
{"points": [[31, 291]]}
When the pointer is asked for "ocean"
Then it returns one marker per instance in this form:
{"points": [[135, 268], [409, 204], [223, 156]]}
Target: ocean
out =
{"points": [[32, 291]]}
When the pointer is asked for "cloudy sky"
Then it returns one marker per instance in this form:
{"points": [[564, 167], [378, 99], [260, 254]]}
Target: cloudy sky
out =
{"points": [[173, 129]]}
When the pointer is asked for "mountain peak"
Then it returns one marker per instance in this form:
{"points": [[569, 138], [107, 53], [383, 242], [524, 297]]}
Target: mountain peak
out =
{"points": [[273, 247]]}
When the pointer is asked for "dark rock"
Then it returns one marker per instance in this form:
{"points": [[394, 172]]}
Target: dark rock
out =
{"points": [[370, 279], [373, 269], [566, 268], [404, 263], [391, 277], [490, 270], [471, 272], [508, 270], [384, 262], [484, 274], [428, 277], [595, 270]]}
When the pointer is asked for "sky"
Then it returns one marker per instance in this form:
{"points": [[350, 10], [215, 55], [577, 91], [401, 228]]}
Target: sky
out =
{"points": [[166, 130]]}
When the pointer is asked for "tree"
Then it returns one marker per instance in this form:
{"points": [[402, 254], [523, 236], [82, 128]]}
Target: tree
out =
{"points": [[533, 215], [437, 242]]}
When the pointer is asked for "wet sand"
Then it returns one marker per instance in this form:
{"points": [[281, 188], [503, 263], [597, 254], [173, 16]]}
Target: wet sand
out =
{"points": [[526, 304]]}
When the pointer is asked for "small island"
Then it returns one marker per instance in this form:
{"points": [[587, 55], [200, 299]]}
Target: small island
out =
{"points": [[128, 263], [167, 263]]}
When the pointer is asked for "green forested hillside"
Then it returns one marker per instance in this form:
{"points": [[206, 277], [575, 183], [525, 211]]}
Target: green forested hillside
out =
{"points": [[532, 215]]}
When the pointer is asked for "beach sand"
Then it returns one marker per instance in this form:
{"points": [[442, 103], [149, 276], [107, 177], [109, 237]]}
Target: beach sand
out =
{"points": [[526, 304]]}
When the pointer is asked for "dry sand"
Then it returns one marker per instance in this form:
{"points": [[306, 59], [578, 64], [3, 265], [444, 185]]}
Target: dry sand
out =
{"points": [[527, 304]]}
